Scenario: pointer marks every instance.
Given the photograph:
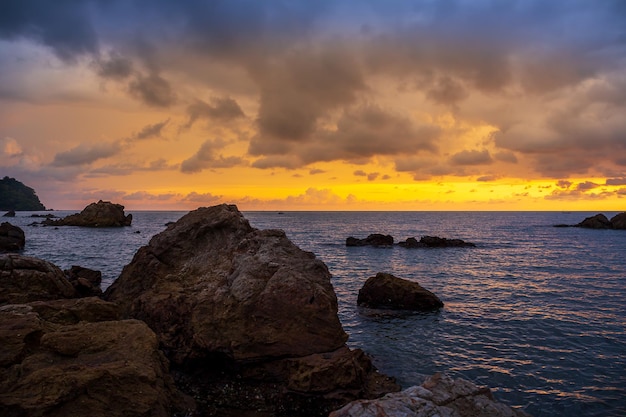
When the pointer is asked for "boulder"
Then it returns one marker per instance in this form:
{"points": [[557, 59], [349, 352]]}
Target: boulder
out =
{"points": [[440, 395], [86, 281], [412, 243], [24, 279], [73, 358], [599, 221], [12, 238], [375, 239], [387, 291], [10, 213], [442, 242], [619, 221], [100, 214], [222, 295]]}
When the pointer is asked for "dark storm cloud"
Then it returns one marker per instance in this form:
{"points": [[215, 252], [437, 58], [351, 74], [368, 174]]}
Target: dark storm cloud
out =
{"points": [[207, 157], [473, 157], [221, 109], [63, 25], [150, 131], [115, 67], [153, 90]]}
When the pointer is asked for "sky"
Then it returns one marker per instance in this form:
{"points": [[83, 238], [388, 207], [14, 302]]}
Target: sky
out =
{"points": [[316, 105]]}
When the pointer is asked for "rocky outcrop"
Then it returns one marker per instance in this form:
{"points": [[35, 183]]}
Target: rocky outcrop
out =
{"points": [[10, 213], [100, 214], [12, 238], [376, 239], [223, 295], [440, 395], [435, 242], [85, 281], [74, 358], [386, 291], [619, 221], [24, 279], [600, 221]]}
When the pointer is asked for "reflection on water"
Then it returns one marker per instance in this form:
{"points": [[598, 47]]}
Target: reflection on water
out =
{"points": [[538, 313]]}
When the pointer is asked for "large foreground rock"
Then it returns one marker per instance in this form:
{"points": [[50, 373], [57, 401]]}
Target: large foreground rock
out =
{"points": [[24, 279], [223, 296], [12, 238], [100, 214], [440, 395], [74, 358], [390, 292]]}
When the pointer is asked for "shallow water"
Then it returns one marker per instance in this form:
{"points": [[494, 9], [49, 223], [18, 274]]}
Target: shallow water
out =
{"points": [[536, 312]]}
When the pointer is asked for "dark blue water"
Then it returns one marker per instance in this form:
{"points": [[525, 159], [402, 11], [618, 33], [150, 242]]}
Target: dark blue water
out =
{"points": [[537, 313]]}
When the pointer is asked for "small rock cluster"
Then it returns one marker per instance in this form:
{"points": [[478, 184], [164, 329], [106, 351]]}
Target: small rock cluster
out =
{"points": [[387, 241], [600, 221]]}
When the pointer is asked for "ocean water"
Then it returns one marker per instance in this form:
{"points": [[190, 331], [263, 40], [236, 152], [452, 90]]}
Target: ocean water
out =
{"points": [[535, 312]]}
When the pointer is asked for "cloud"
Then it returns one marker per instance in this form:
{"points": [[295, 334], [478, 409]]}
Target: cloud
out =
{"points": [[10, 148], [585, 186], [207, 157], [115, 67], [153, 90], [616, 181], [85, 154], [150, 131], [360, 173], [221, 109], [316, 171], [473, 157], [204, 198]]}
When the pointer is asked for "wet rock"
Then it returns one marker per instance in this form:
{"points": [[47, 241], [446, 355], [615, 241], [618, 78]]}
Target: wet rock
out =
{"points": [[70, 358], [440, 395], [376, 239], [599, 221], [232, 302], [619, 221], [412, 243], [100, 214], [12, 238], [10, 213], [387, 291], [442, 242], [24, 279], [86, 281]]}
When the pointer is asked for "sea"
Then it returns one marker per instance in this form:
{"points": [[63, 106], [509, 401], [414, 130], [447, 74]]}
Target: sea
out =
{"points": [[535, 312]]}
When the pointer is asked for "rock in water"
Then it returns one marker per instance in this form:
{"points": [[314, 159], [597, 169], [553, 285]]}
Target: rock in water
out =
{"points": [[390, 292], [75, 358], [12, 238], [10, 213], [619, 221], [375, 239], [24, 279], [100, 214], [440, 395], [86, 281], [599, 221], [221, 294]]}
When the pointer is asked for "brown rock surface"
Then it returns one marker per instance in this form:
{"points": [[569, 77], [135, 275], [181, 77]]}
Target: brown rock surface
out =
{"points": [[100, 214], [619, 221], [24, 279], [12, 238], [59, 358], [375, 239], [388, 291], [226, 298], [86, 281], [599, 221], [440, 395]]}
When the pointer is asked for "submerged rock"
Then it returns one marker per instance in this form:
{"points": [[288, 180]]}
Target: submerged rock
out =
{"points": [[74, 358], [440, 395], [100, 214], [12, 238], [24, 279], [375, 239], [224, 296], [387, 291]]}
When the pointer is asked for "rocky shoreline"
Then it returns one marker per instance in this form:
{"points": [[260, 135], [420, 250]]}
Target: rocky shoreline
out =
{"points": [[211, 318]]}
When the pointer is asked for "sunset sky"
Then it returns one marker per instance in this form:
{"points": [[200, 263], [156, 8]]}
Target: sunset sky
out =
{"points": [[316, 105]]}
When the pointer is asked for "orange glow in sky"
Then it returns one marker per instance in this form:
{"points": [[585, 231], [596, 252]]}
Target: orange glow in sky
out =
{"points": [[316, 106]]}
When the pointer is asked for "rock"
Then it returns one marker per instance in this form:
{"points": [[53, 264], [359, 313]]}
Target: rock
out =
{"points": [[375, 239], [619, 221], [599, 221], [12, 238], [442, 242], [24, 279], [10, 213], [389, 292], [412, 243], [100, 214], [86, 281], [221, 295], [74, 364], [440, 395]]}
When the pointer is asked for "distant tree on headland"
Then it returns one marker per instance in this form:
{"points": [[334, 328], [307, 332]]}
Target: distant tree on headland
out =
{"points": [[16, 196]]}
